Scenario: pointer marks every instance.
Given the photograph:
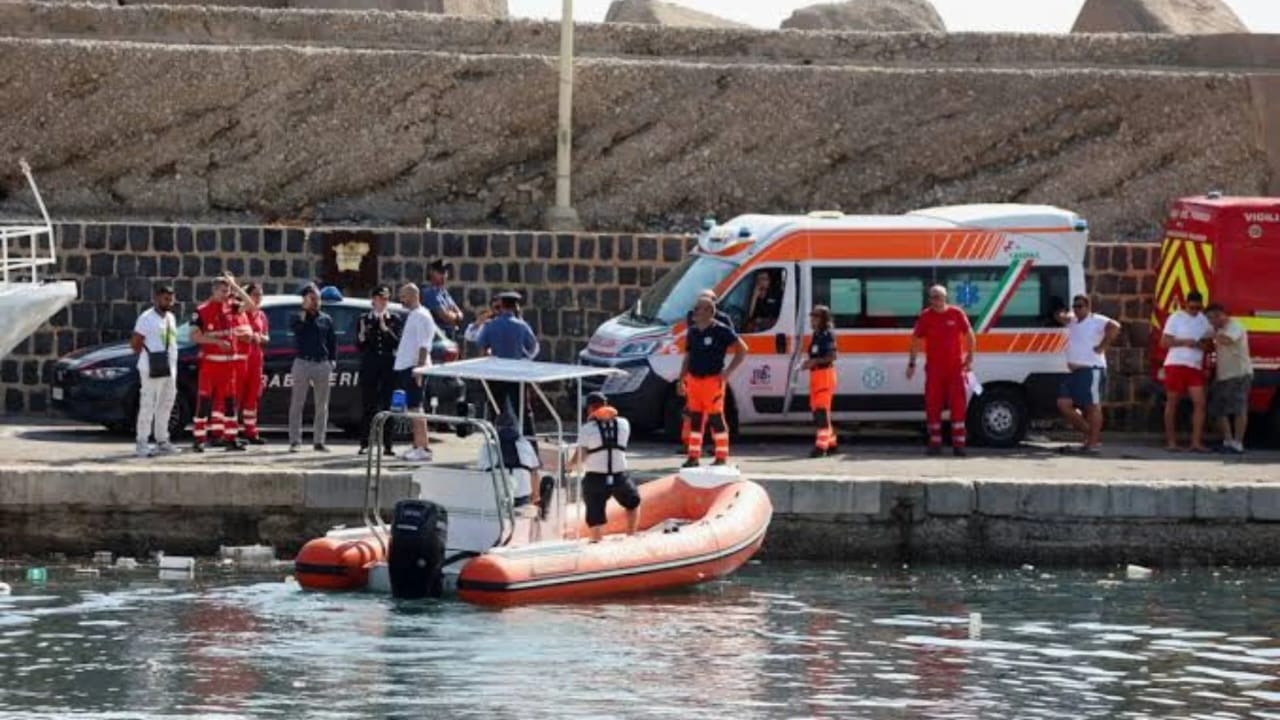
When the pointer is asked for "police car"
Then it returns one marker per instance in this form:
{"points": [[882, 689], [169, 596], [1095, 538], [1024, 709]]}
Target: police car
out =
{"points": [[100, 384]]}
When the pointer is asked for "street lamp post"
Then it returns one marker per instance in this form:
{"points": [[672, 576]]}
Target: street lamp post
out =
{"points": [[562, 217]]}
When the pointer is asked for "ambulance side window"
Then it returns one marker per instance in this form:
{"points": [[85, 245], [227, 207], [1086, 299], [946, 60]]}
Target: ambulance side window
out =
{"points": [[872, 298], [1033, 304]]}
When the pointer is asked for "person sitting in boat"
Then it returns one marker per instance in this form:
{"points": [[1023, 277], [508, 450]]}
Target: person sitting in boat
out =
{"points": [[519, 455], [602, 439]]}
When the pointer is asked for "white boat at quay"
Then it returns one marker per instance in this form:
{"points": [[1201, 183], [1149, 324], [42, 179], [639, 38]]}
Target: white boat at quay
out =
{"points": [[27, 302]]}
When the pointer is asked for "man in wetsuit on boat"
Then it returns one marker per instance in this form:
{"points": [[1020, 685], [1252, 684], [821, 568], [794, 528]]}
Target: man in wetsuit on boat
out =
{"points": [[603, 439]]}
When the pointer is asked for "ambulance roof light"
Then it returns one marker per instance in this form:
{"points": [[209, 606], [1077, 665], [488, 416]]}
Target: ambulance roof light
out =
{"points": [[1214, 195], [826, 215], [1080, 225], [331, 294]]}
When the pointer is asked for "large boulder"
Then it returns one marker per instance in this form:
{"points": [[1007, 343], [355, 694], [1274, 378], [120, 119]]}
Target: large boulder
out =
{"points": [[869, 16], [654, 12], [1176, 17]]}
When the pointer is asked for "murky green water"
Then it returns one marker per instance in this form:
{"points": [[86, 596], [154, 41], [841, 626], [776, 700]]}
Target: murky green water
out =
{"points": [[773, 642]]}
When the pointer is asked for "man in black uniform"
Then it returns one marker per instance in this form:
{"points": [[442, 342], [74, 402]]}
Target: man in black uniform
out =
{"points": [[704, 379], [377, 335]]}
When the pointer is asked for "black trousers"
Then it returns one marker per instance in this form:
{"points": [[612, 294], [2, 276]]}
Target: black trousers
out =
{"points": [[377, 382], [507, 395]]}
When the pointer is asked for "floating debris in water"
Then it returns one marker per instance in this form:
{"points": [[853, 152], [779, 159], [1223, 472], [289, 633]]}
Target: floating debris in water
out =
{"points": [[176, 564], [975, 626], [37, 575], [1028, 568], [5, 589], [124, 563], [102, 557], [1138, 572], [248, 555], [89, 572]]}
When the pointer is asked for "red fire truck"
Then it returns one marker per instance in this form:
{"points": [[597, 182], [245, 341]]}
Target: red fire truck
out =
{"points": [[1228, 248]]}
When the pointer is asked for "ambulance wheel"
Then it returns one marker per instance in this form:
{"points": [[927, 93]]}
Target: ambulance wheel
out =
{"points": [[998, 417], [672, 418]]}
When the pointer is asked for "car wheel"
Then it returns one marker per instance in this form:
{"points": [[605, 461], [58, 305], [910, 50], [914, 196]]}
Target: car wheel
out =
{"points": [[998, 417], [180, 417]]}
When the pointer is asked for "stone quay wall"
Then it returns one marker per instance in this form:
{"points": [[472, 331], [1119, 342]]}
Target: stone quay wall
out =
{"points": [[572, 284], [266, 116]]}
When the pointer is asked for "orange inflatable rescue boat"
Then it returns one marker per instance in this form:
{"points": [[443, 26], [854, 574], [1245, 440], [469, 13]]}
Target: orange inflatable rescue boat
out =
{"points": [[470, 530]]}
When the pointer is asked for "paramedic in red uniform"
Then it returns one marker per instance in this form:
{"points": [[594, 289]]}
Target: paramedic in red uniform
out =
{"points": [[254, 335], [211, 329], [949, 347], [822, 378], [704, 378]]}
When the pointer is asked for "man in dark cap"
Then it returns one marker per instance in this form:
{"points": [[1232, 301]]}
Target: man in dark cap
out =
{"points": [[378, 336], [435, 297], [509, 337], [317, 347]]}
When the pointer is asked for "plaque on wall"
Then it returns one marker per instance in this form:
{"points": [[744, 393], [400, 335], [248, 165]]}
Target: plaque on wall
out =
{"points": [[351, 261]]}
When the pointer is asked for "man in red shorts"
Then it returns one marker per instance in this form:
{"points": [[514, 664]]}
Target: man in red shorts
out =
{"points": [[949, 344], [1186, 334], [212, 330]]}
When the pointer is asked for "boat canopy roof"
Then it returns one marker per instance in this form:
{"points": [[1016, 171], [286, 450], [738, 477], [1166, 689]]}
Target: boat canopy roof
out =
{"points": [[492, 369]]}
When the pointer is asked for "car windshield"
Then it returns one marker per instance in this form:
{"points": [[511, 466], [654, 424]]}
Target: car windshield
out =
{"points": [[670, 299]]}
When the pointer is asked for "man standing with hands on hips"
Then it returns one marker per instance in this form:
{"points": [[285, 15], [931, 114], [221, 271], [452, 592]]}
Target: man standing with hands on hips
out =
{"points": [[1089, 335], [950, 344], [704, 379], [317, 345], [414, 351]]}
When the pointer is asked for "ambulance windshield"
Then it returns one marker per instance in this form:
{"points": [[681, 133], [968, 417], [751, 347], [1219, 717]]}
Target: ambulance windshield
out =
{"points": [[671, 298]]}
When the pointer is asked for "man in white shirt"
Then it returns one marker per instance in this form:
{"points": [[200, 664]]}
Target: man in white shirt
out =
{"points": [[155, 341], [1089, 336], [1233, 378], [1186, 334], [414, 351], [602, 441]]}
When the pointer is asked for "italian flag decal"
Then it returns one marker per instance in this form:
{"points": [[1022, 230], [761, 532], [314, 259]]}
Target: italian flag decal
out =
{"points": [[1009, 284]]}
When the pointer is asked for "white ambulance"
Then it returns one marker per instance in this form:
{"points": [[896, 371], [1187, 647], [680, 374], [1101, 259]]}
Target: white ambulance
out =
{"points": [[1011, 267]]}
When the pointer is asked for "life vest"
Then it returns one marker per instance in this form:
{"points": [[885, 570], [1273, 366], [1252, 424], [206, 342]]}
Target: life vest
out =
{"points": [[606, 420]]}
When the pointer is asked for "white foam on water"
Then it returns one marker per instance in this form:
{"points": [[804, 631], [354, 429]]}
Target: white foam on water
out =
{"points": [[1245, 659], [103, 623], [1267, 695], [964, 643], [1232, 675]]}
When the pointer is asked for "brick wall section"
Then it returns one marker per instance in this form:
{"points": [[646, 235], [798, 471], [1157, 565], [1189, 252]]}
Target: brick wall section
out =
{"points": [[572, 283]]}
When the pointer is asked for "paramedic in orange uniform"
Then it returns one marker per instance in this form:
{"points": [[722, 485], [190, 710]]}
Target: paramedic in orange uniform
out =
{"points": [[254, 337], [822, 378], [949, 347], [211, 330], [704, 378], [723, 318]]}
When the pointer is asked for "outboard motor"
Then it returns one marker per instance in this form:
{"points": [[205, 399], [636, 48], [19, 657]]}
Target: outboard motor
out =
{"points": [[415, 560]]}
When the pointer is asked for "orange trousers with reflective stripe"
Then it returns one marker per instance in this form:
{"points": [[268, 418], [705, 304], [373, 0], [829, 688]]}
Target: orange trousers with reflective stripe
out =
{"points": [[705, 397], [822, 394]]}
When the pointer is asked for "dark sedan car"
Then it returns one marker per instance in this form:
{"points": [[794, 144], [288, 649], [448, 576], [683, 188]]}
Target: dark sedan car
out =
{"points": [[100, 384]]}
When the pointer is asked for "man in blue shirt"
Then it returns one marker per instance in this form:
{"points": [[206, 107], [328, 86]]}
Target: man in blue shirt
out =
{"points": [[435, 297], [317, 346], [704, 378], [510, 338]]}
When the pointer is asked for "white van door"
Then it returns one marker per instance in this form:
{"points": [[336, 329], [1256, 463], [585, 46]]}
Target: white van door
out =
{"points": [[874, 310], [762, 306]]}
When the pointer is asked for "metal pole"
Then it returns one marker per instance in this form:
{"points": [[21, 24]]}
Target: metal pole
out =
{"points": [[563, 217]]}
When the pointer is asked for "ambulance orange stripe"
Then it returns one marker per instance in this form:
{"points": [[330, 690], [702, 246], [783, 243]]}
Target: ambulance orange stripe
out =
{"points": [[886, 244]]}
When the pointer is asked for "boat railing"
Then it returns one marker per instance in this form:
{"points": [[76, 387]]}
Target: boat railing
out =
{"points": [[24, 248], [503, 498]]}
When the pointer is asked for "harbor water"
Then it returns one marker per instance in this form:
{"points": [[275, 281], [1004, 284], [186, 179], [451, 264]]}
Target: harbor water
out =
{"points": [[774, 641]]}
